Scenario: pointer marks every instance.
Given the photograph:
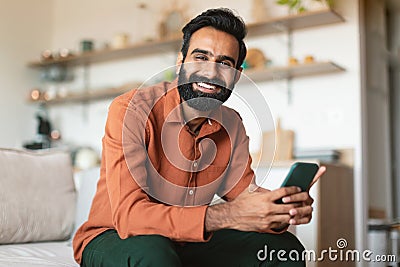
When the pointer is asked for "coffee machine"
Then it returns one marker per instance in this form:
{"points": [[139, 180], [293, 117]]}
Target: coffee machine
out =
{"points": [[43, 136]]}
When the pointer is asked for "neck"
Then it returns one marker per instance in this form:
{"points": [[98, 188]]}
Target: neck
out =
{"points": [[194, 117]]}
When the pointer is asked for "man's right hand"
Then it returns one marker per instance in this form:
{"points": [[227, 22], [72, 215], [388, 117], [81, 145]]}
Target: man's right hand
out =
{"points": [[253, 210]]}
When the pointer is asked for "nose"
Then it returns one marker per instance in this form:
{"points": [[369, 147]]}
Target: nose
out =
{"points": [[210, 70]]}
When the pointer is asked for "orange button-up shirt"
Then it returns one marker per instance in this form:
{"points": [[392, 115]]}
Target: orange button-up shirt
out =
{"points": [[158, 177]]}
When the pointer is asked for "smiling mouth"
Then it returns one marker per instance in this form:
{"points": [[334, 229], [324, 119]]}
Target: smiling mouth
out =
{"points": [[206, 87]]}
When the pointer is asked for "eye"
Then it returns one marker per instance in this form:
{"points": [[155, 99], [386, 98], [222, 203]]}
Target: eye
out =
{"points": [[201, 57], [225, 63]]}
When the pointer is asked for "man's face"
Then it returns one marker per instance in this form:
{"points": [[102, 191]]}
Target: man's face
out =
{"points": [[208, 75]]}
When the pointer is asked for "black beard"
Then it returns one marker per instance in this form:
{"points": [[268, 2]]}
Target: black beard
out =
{"points": [[199, 100]]}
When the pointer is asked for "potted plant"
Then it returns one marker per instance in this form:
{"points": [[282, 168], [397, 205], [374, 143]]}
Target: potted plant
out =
{"points": [[300, 5]]}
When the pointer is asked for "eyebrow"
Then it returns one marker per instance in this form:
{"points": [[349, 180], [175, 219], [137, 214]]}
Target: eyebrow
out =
{"points": [[208, 53]]}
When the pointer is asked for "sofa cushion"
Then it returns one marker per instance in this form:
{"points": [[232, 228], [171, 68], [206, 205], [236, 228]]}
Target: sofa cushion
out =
{"points": [[86, 184], [37, 196], [46, 254]]}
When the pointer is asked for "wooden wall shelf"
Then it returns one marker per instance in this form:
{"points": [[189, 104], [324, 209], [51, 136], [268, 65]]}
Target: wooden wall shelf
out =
{"points": [[286, 72], [86, 96], [98, 56], [276, 25], [257, 75], [303, 20]]}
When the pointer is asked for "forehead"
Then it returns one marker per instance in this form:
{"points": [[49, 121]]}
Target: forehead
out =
{"points": [[217, 42]]}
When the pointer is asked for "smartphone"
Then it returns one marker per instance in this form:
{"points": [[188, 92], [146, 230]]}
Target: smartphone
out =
{"points": [[301, 175]]}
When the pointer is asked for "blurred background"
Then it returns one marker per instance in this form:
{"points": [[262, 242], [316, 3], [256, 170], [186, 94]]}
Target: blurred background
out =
{"points": [[329, 72]]}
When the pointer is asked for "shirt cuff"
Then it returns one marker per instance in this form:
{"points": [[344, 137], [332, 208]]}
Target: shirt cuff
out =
{"points": [[192, 228]]}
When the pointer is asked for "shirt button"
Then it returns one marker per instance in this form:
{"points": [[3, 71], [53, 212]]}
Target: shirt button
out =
{"points": [[191, 192], [195, 164]]}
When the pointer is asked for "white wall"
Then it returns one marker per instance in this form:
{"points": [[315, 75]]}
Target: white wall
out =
{"points": [[331, 121], [25, 29], [324, 109]]}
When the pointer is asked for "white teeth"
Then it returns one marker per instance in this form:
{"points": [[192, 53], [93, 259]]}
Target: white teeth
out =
{"points": [[206, 85]]}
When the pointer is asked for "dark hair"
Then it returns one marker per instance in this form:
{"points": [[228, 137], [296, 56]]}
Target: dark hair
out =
{"points": [[222, 19]]}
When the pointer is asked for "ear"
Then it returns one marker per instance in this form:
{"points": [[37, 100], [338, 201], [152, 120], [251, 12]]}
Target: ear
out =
{"points": [[238, 73], [179, 61]]}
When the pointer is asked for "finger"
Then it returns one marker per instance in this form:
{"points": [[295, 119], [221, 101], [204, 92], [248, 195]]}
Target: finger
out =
{"points": [[318, 175], [299, 221], [284, 191], [300, 197], [279, 227], [279, 218], [308, 202], [301, 212], [285, 208], [276, 221]]}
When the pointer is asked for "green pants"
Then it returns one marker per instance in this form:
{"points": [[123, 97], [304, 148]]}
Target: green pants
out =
{"points": [[226, 248]]}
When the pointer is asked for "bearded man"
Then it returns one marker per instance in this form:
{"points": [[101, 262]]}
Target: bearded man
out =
{"points": [[168, 149]]}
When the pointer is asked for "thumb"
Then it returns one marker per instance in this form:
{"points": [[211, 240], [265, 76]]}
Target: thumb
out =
{"points": [[255, 188], [252, 187], [320, 172]]}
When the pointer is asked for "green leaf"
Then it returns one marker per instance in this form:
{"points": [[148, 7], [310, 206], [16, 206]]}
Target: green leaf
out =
{"points": [[301, 9], [294, 3], [282, 2]]}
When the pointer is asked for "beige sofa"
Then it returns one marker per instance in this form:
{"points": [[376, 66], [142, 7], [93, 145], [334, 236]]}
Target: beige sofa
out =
{"points": [[40, 207]]}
